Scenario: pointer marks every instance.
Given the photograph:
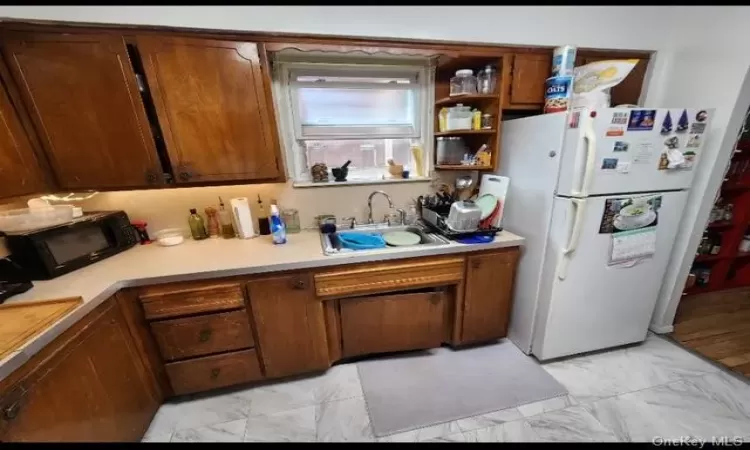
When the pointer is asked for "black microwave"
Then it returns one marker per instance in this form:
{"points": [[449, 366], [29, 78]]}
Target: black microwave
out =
{"points": [[50, 252]]}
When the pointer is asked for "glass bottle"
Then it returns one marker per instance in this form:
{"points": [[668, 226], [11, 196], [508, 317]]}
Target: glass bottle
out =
{"points": [[213, 222], [197, 227], [225, 220]]}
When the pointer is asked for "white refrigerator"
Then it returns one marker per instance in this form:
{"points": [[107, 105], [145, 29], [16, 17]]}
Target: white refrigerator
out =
{"points": [[599, 196]]}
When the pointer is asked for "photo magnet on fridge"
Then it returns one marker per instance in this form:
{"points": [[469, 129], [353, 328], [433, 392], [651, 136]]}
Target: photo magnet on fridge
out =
{"points": [[630, 213], [621, 146], [697, 127], [641, 119], [609, 164]]}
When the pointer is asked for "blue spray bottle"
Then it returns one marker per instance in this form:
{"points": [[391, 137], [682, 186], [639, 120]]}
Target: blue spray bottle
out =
{"points": [[278, 228]]}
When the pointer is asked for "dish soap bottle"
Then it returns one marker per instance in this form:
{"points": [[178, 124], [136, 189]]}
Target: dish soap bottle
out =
{"points": [[225, 220], [278, 229], [263, 225], [197, 227]]}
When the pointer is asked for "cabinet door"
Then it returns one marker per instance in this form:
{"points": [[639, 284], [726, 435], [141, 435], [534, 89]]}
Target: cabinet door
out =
{"points": [[212, 106], [488, 294], [94, 388], [289, 323], [530, 72], [20, 171], [390, 323], [629, 89], [84, 100]]}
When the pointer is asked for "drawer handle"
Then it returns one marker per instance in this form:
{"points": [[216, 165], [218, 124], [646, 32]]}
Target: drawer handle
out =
{"points": [[12, 411], [215, 373], [204, 335], [299, 284], [476, 264]]}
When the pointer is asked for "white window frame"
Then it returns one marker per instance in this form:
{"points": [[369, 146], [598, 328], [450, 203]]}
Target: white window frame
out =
{"points": [[292, 133]]}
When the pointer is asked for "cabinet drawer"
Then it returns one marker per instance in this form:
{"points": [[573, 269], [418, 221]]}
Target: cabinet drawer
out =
{"points": [[203, 335], [210, 372], [390, 323], [389, 276], [184, 299]]}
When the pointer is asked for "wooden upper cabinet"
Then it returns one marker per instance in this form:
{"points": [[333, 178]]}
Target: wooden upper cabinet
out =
{"points": [[90, 385], [213, 103], [528, 76], [488, 295], [83, 98], [20, 171], [629, 90], [290, 325]]}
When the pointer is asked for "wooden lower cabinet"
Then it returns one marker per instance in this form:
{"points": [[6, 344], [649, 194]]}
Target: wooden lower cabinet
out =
{"points": [[289, 323], [389, 323], [488, 295], [88, 385]]}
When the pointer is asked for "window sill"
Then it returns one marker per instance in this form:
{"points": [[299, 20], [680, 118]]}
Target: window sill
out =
{"points": [[310, 184]]}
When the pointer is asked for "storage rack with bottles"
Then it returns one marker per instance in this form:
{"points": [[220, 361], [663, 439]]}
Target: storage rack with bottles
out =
{"points": [[730, 267], [487, 103]]}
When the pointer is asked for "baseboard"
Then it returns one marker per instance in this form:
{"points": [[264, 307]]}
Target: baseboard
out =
{"points": [[661, 329]]}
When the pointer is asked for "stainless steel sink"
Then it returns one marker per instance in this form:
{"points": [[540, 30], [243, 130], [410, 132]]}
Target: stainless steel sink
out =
{"points": [[427, 238]]}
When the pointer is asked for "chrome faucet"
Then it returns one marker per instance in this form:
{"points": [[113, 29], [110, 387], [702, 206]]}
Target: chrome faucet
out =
{"points": [[369, 204]]}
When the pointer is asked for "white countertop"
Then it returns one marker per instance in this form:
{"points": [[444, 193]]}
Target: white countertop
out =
{"points": [[200, 260]]}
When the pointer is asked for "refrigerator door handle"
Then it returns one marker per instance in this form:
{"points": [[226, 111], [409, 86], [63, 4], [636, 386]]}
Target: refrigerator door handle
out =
{"points": [[575, 236], [589, 138]]}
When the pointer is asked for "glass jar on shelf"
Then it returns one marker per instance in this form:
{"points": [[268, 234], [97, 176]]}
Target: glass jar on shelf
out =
{"points": [[464, 83], [487, 80]]}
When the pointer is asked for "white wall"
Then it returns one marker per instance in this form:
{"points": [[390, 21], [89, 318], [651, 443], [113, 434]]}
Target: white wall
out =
{"points": [[700, 62]]}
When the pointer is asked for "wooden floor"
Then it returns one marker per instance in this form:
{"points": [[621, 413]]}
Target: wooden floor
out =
{"points": [[717, 325]]}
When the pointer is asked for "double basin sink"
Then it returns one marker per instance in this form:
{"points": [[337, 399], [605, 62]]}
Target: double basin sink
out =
{"points": [[333, 246]]}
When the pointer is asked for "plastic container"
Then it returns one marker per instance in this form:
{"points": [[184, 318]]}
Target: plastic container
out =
{"points": [[28, 219], [459, 118], [464, 83], [487, 80], [487, 121], [169, 237], [745, 244], [278, 230]]}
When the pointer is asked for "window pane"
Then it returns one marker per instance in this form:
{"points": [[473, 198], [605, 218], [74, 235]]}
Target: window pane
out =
{"points": [[364, 153], [351, 79], [355, 107]]}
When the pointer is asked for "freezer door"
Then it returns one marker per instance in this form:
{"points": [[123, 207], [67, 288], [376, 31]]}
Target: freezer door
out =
{"points": [[620, 151], [585, 303]]}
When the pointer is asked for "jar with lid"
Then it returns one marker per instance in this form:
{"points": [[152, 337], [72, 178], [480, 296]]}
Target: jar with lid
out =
{"points": [[464, 83], [487, 120], [486, 80]]}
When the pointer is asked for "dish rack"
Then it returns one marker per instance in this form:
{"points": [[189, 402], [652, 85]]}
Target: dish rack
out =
{"points": [[434, 219]]}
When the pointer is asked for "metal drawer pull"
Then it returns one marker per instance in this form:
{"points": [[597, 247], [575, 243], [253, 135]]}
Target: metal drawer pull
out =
{"points": [[215, 373], [204, 335], [12, 411]]}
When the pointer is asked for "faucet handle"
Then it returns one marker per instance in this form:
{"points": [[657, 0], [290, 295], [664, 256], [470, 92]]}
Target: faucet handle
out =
{"points": [[402, 215], [352, 221]]}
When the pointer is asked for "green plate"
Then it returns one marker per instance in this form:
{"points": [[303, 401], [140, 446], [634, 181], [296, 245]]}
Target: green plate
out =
{"points": [[487, 204], [401, 238]]}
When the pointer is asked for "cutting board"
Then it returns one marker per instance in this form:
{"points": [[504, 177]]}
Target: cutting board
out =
{"points": [[497, 186], [20, 322]]}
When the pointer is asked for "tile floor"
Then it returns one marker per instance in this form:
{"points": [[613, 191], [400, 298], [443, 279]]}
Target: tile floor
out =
{"points": [[630, 394]]}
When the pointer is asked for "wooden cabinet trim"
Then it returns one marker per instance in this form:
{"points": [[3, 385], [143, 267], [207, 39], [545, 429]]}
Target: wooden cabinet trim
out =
{"points": [[388, 276]]}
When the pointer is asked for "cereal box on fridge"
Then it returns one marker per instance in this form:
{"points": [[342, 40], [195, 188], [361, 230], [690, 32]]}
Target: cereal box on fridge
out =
{"points": [[557, 94]]}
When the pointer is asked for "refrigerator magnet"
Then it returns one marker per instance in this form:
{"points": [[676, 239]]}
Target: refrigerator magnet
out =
{"points": [[689, 156], [621, 146], [615, 131], [574, 119], [683, 123], [609, 163], [697, 127], [666, 125], [619, 118], [629, 213], [694, 141], [701, 116], [641, 120], [672, 142]]}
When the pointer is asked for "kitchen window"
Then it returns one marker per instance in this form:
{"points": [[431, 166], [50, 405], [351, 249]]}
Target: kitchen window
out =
{"points": [[366, 113]]}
